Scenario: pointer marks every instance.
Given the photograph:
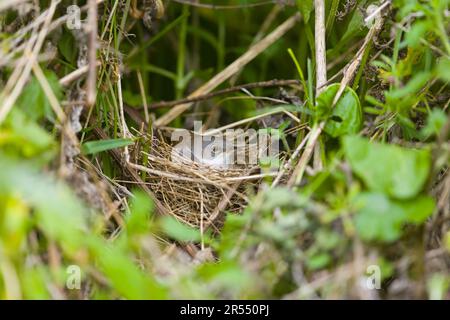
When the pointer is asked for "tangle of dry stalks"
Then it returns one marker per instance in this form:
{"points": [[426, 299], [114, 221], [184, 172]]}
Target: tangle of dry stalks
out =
{"points": [[192, 192]]}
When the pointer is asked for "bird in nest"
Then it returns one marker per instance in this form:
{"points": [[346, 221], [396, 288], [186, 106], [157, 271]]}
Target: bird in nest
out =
{"points": [[147, 10]]}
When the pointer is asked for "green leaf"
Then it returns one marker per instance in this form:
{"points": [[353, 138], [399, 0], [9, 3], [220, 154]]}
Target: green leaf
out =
{"points": [[435, 121], [346, 116], [22, 136], [97, 146], [270, 230], [179, 231], [48, 197], [33, 100], [305, 7], [355, 26], [34, 284], [227, 274], [381, 219], [447, 241], [327, 240], [411, 88], [443, 69], [124, 275], [416, 33], [396, 171], [138, 221], [318, 261], [281, 197], [68, 47], [133, 99], [438, 286], [418, 210], [414, 85]]}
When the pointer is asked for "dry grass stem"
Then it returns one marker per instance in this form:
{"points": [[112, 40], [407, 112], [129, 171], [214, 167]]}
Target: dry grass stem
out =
{"points": [[234, 67]]}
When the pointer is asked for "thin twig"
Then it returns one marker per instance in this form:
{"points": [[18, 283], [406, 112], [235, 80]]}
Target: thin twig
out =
{"points": [[202, 214], [321, 61], [224, 7], [247, 120], [76, 74], [376, 11], [299, 170], [124, 128], [7, 4], [54, 103], [144, 98], [288, 165], [262, 84], [91, 88], [224, 202]]}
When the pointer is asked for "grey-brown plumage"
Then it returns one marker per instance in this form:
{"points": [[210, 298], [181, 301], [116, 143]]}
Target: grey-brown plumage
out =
{"points": [[147, 10]]}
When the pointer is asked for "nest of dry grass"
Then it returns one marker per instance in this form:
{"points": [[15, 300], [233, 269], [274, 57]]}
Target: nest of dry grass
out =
{"points": [[196, 194]]}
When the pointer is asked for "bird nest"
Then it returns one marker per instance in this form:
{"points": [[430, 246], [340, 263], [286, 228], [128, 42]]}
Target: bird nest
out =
{"points": [[198, 194]]}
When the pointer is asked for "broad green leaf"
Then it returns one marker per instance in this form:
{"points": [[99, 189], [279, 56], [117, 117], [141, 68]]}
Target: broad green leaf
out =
{"points": [[377, 219], [418, 210], [327, 240], [443, 69], [232, 229], [270, 230], [138, 221], [133, 99], [415, 84], [97, 146], [396, 171], [438, 286], [68, 47], [406, 7], [402, 98], [346, 116], [61, 217], [14, 223], [124, 274], [355, 26], [281, 197], [227, 274], [435, 121], [33, 280], [447, 241], [305, 7], [417, 32], [178, 230], [33, 100], [318, 261], [58, 212], [22, 136], [381, 219]]}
